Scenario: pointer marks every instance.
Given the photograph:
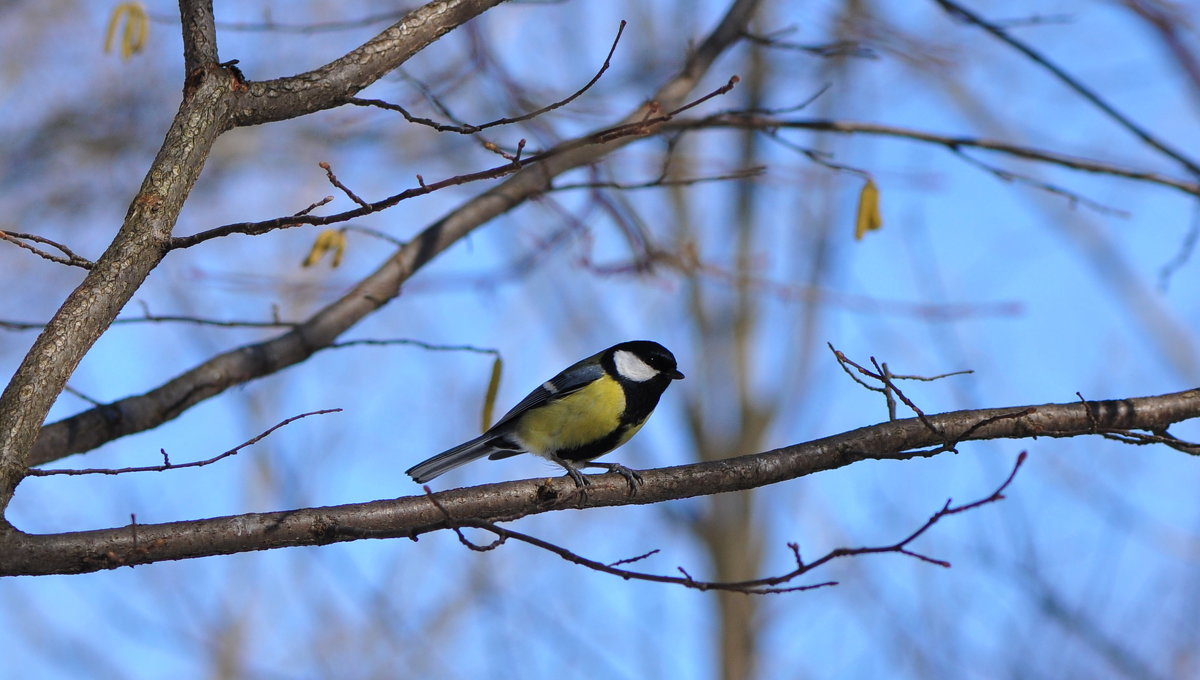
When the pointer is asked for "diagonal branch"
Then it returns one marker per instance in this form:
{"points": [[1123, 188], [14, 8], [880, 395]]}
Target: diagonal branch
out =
{"points": [[331, 84], [955, 143], [955, 9], [215, 98], [89, 429]]}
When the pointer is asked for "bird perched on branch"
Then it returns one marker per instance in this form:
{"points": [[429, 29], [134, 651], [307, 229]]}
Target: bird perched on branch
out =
{"points": [[589, 409]]}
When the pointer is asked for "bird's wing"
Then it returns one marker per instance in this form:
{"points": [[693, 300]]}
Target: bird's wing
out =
{"points": [[570, 380], [484, 445]]}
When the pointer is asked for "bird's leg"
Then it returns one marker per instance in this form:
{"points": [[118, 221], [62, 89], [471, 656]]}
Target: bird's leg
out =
{"points": [[630, 475], [580, 479]]}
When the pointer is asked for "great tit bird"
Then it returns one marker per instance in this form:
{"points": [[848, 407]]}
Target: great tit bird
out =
{"points": [[589, 409]]}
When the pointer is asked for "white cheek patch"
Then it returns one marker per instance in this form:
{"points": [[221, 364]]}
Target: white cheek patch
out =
{"points": [[630, 367]]}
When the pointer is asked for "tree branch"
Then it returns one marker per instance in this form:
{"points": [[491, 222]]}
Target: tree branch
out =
{"points": [[331, 84], [199, 35], [757, 586], [215, 98], [412, 516], [957, 10], [469, 129], [168, 465], [89, 429], [70, 259], [955, 143]]}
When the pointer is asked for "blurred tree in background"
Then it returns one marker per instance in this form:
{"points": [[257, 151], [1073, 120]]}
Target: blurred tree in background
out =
{"points": [[1036, 174]]}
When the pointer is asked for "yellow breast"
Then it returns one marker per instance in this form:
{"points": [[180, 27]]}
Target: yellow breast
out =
{"points": [[574, 421]]}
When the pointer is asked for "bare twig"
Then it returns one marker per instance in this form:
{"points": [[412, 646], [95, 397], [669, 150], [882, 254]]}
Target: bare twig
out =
{"points": [[957, 10], [770, 121], [415, 343], [1010, 176], [1184, 254], [163, 318], [841, 48], [71, 259], [71, 390], [636, 129], [472, 129], [374, 232], [661, 182], [759, 586], [338, 183], [888, 387], [277, 27], [168, 465]]}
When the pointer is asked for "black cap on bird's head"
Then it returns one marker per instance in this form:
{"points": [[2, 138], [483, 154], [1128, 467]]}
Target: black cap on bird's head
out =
{"points": [[641, 360]]}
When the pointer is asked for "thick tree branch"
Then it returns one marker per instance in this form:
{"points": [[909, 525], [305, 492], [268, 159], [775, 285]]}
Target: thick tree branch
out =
{"points": [[215, 98], [138, 247], [199, 35], [89, 429], [331, 84], [412, 516]]}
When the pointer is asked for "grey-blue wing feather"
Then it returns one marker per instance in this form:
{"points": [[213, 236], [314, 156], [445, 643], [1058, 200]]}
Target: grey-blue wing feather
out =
{"points": [[495, 443], [571, 380], [484, 445]]}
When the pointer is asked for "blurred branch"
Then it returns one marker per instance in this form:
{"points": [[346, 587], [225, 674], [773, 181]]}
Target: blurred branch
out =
{"points": [[957, 10], [89, 429], [1168, 19], [163, 318], [216, 98], [661, 181], [1073, 197], [432, 347], [1186, 248], [168, 465], [954, 143], [840, 48], [276, 27], [624, 132], [412, 516]]}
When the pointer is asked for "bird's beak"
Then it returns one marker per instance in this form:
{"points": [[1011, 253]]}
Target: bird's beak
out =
{"points": [[675, 375]]}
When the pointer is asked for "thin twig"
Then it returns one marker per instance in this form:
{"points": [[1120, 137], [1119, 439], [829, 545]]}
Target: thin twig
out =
{"points": [[168, 465], [639, 128], [472, 129], [761, 586], [958, 10], [660, 182], [770, 121], [71, 259], [415, 343], [338, 183]]}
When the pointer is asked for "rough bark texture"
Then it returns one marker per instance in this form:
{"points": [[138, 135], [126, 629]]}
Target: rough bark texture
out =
{"points": [[215, 99], [411, 516], [89, 429]]}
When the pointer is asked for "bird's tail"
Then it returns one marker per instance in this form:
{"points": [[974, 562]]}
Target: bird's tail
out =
{"points": [[460, 455]]}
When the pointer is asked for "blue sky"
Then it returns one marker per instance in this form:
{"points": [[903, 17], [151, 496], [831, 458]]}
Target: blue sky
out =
{"points": [[1059, 298]]}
